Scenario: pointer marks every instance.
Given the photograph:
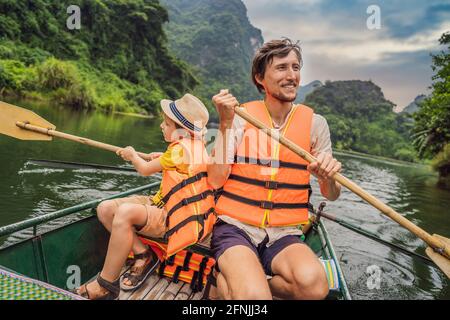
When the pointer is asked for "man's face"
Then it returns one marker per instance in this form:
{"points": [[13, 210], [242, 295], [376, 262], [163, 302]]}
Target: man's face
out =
{"points": [[282, 77]]}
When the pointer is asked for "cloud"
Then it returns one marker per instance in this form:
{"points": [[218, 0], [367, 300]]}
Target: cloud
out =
{"points": [[398, 77], [337, 44], [416, 18]]}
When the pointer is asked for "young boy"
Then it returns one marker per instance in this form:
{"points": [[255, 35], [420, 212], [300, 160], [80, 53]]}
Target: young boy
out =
{"points": [[184, 192]]}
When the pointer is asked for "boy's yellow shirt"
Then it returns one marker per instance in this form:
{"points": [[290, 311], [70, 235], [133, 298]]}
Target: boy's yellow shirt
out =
{"points": [[171, 159]]}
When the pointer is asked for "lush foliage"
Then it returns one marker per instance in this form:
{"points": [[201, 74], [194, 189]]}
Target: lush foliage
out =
{"points": [[361, 119], [441, 163], [432, 121], [215, 37], [117, 60]]}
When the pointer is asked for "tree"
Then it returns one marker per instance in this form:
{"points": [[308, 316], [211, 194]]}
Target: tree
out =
{"points": [[432, 121]]}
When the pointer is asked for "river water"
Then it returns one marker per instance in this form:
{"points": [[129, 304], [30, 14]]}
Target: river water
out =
{"points": [[28, 190]]}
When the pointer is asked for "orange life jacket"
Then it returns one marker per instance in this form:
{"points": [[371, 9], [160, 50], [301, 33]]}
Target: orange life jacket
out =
{"points": [[185, 265], [269, 184], [188, 199]]}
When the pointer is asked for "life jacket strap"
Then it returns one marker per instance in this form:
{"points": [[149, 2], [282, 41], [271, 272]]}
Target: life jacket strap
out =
{"points": [[201, 272], [200, 218], [176, 274], [181, 185], [162, 266], [171, 260], [187, 259], [270, 184], [266, 204], [272, 163], [187, 201], [194, 282]]}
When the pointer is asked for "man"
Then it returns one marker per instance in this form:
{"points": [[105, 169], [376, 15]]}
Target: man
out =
{"points": [[266, 186]]}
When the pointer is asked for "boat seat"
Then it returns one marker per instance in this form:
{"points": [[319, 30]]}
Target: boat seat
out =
{"points": [[14, 286]]}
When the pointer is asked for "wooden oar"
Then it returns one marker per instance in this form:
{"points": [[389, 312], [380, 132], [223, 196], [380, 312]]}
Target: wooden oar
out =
{"points": [[374, 237], [14, 119], [439, 250]]}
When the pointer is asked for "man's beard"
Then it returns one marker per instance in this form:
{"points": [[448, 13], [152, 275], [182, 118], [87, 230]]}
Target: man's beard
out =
{"points": [[284, 98]]}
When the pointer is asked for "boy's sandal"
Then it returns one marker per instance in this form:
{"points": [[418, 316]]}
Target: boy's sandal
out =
{"points": [[137, 275], [112, 287]]}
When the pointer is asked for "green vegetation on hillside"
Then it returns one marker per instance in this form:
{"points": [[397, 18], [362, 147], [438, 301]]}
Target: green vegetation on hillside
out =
{"points": [[432, 120], [362, 120], [118, 60], [216, 38]]}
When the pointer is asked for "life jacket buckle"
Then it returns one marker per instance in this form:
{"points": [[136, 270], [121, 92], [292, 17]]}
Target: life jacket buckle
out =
{"points": [[266, 205], [274, 163], [271, 185]]}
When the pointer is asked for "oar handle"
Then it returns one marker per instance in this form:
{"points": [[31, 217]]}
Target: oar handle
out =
{"points": [[71, 137], [435, 243]]}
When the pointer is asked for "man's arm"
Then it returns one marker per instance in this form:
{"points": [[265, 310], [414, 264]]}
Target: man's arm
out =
{"points": [[326, 166], [219, 168]]}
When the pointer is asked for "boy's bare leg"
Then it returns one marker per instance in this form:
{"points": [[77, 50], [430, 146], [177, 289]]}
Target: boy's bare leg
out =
{"points": [[106, 211], [120, 243], [122, 236]]}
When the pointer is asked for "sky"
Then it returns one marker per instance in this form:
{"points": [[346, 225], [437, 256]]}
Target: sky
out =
{"points": [[347, 40]]}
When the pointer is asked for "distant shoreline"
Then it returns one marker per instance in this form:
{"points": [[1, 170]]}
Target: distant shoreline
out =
{"points": [[131, 114], [368, 155]]}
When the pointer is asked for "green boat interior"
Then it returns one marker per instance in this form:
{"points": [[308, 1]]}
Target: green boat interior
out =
{"points": [[52, 262]]}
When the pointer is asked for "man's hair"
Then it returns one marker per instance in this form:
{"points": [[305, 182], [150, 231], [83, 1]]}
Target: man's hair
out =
{"points": [[264, 56]]}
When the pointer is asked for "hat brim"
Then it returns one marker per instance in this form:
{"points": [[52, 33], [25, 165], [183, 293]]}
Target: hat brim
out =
{"points": [[165, 106]]}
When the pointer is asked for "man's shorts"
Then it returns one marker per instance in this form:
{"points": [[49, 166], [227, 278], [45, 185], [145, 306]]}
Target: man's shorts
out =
{"points": [[156, 217], [226, 235]]}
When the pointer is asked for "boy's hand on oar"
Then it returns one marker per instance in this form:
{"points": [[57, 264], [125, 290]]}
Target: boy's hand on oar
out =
{"points": [[325, 166], [127, 154]]}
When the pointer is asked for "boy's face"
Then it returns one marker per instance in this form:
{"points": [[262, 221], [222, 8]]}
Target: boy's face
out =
{"points": [[168, 128]]}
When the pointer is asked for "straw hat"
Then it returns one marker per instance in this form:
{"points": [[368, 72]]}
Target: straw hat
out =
{"points": [[189, 112]]}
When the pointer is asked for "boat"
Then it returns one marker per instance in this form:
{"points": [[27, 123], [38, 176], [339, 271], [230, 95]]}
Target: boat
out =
{"points": [[47, 264]]}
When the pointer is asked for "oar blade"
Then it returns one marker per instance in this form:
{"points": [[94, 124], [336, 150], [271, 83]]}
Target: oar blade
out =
{"points": [[442, 262], [10, 114]]}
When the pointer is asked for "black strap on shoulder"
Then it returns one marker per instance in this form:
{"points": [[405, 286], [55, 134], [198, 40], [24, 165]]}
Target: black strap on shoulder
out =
{"points": [[187, 201], [264, 204], [187, 259], [272, 163], [182, 184], [269, 184]]}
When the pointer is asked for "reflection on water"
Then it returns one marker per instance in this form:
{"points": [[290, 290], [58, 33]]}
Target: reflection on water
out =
{"points": [[28, 190], [410, 190]]}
